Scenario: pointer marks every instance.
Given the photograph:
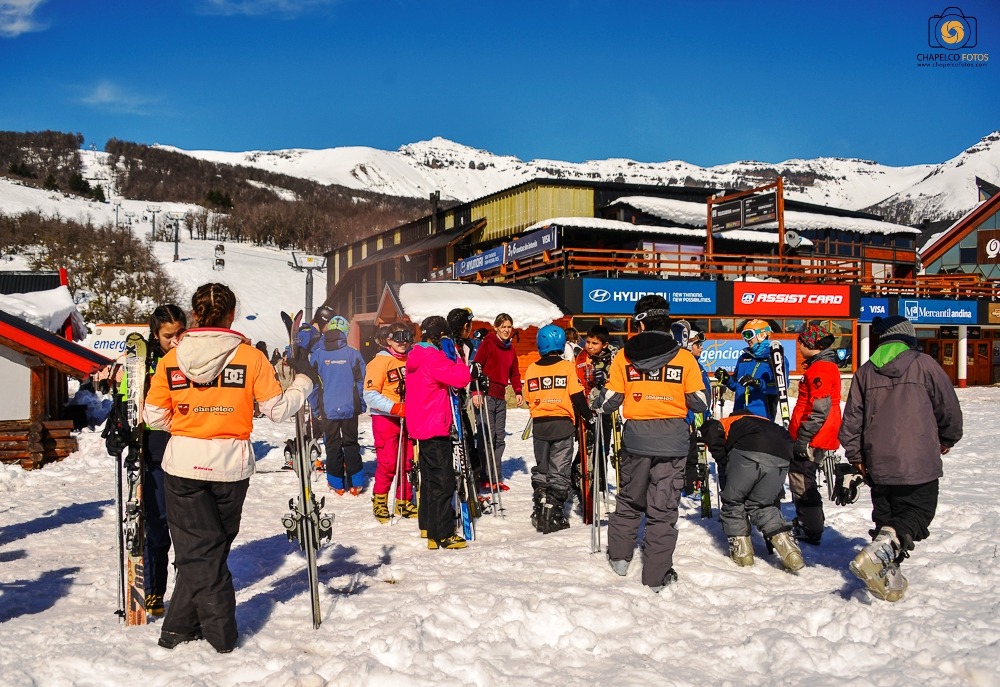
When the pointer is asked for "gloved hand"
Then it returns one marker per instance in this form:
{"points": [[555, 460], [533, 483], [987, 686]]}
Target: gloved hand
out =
{"points": [[848, 484], [476, 370], [802, 452], [722, 375], [398, 409], [600, 377], [302, 365], [749, 381], [596, 399]]}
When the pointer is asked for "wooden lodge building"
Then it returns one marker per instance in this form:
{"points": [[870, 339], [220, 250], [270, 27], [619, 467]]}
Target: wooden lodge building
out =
{"points": [[595, 247]]}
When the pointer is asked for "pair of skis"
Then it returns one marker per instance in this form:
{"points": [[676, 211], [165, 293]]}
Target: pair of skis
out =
{"points": [[129, 471], [466, 498], [305, 522]]}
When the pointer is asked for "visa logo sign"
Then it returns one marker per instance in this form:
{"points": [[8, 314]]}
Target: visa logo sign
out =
{"points": [[872, 308]]}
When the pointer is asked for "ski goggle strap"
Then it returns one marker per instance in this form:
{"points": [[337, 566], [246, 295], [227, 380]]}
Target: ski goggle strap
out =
{"points": [[654, 312]]}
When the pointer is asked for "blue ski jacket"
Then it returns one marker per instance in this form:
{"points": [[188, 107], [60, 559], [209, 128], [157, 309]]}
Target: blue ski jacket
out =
{"points": [[761, 400], [342, 371]]}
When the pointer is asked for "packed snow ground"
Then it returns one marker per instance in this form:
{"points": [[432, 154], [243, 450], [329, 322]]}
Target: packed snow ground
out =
{"points": [[515, 607]]}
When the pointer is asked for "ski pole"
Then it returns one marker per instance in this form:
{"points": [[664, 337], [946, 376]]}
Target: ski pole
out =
{"points": [[397, 476], [489, 453], [595, 487]]}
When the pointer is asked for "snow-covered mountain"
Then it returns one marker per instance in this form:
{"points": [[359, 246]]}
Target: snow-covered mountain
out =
{"points": [[905, 194]]}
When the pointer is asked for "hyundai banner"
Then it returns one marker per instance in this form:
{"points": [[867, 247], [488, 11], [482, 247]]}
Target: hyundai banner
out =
{"points": [[479, 262], [872, 308], [926, 311], [816, 301], [619, 296]]}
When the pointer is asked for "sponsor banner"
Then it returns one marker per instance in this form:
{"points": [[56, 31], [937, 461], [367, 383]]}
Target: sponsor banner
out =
{"points": [[928, 311], [618, 296], [479, 262], [872, 308], [987, 246], [994, 312], [725, 352], [109, 339], [791, 300], [534, 243]]}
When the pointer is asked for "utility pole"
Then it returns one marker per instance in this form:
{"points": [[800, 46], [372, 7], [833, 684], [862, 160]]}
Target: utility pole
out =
{"points": [[302, 262], [118, 205]]}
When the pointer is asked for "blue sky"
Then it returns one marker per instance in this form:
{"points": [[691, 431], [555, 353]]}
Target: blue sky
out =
{"points": [[708, 81]]}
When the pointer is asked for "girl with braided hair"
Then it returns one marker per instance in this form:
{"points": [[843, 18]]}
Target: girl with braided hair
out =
{"points": [[203, 393]]}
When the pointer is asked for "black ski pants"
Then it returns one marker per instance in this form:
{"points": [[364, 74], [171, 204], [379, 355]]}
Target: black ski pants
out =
{"points": [[204, 520], [907, 508], [154, 506], [805, 494], [437, 487], [344, 468]]}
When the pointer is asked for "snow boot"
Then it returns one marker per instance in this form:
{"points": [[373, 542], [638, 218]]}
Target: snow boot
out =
{"points": [[154, 604], [452, 542], [806, 536], [791, 555], [620, 568], [553, 519], [406, 509], [537, 502], [741, 550], [670, 578], [380, 508], [875, 565]]}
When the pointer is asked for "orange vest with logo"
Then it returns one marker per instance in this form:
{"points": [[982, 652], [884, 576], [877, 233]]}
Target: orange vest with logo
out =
{"points": [[655, 394], [222, 408], [384, 374], [547, 389]]}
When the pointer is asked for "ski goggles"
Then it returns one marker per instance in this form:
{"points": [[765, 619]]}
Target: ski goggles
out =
{"points": [[754, 335], [402, 336], [467, 318]]}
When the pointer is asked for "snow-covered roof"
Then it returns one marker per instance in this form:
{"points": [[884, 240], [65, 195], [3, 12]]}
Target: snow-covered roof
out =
{"points": [[748, 235], [437, 298], [46, 309], [695, 214]]}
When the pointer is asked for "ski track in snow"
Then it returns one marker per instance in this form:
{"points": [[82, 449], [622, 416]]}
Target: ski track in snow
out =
{"points": [[515, 607]]}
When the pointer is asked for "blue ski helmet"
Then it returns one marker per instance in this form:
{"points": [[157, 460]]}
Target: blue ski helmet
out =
{"points": [[551, 339]]}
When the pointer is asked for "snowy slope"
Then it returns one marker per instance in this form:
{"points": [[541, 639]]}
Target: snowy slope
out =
{"points": [[463, 173], [516, 607]]}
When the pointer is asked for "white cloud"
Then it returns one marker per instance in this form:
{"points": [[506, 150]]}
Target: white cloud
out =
{"points": [[107, 96], [16, 17], [258, 7]]}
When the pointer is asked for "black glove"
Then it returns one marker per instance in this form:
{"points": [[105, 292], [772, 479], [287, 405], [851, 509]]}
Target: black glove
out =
{"points": [[722, 375], [600, 377], [301, 364], [476, 370], [848, 484], [802, 452], [749, 381]]}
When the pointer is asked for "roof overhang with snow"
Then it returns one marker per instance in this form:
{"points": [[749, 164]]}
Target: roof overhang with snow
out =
{"points": [[53, 350], [600, 224], [424, 300], [696, 215]]}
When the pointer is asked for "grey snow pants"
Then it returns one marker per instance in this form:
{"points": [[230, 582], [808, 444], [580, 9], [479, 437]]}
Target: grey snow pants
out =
{"points": [[650, 486], [494, 412], [750, 497], [553, 460]]}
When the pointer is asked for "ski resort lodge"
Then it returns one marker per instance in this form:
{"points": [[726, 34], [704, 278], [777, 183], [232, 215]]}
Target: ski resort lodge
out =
{"points": [[594, 248]]}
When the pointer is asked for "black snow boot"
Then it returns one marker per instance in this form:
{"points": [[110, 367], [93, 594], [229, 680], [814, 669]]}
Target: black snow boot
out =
{"points": [[537, 502], [553, 519]]}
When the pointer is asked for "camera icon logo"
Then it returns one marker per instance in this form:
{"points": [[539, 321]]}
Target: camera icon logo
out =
{"points": [[952, 30]]}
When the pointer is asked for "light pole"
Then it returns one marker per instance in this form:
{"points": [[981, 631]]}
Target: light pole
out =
{"points": [[176, 217], [302, 262], [153, 209], [118, 205]]}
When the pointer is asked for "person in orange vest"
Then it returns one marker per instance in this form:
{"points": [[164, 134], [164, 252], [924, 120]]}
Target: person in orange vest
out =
{"points": [[385, 380], [814, 426], [656, 383], [554, 397], [203, 393]]}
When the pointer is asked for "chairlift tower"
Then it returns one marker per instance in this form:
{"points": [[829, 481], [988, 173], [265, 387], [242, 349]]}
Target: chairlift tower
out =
{"points": [[117, 205], [302, 262], [176, 217], [153, 209]]}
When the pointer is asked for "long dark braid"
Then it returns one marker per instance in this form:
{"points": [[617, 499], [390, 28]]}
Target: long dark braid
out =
{"points": [[211, 304]]}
